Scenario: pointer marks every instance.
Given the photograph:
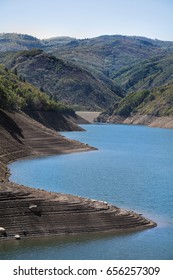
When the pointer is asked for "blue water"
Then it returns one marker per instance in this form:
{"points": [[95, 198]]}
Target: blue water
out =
{"points": [[133, 169]]}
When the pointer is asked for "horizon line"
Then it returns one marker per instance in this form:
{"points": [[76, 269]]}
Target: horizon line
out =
{"points": [[83, 38]]}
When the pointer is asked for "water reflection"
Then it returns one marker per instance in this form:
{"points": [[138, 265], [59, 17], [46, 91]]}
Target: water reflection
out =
{"points": [[132, 169], [41, 248]]}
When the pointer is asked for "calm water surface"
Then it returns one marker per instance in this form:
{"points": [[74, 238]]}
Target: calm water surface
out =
{"points": [[133, 169]]}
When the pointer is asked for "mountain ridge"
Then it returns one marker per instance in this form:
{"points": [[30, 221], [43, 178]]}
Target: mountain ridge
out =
{"points": [[97, 68]]}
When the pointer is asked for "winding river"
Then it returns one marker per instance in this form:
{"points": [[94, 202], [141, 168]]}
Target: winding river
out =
{"points": [[133, 169]]}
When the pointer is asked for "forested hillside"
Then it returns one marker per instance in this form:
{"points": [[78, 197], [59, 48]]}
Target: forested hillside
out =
{"points": [[63, 81], [96, 73], [157, 102], [16, 94], [146, 75]]}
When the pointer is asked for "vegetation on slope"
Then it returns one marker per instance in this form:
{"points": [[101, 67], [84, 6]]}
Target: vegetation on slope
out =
{"points": [[133, 63], [101, 56], [16, 94], [157, 102], [63, 81], [17, 42], [106, 54], [89, 70], [146, 74]]}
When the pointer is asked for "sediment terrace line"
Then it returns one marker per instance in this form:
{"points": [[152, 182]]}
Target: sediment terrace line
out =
{"points": [[61, 214], [54, 213]]}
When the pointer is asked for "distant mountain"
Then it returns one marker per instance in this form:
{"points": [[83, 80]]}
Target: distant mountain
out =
{"points": [[146, 74], [107, 54], [90, 73], [18, 42], [148, 62], [155, 103], [62, 81], [102, 56]]}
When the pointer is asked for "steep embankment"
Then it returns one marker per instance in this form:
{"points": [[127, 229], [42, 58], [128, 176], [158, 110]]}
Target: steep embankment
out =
{"points": [[29, 212], [38, 213], [154, 108], [57, 120], [22, 136]]}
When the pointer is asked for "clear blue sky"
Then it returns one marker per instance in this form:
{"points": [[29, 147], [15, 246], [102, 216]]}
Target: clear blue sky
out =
{"points": [[88, 18]]}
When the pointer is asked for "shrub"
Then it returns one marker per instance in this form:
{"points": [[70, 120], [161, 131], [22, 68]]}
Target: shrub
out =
{"points": [[16, 95]]}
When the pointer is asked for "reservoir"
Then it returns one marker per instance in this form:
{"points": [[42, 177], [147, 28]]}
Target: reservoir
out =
{"points": [[132, 169]]}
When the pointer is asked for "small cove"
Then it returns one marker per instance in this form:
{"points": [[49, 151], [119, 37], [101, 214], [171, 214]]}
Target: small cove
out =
{"points": [[131, 169]]}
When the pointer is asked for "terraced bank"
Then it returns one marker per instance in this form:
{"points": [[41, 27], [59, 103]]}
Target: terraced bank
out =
{"points": [[27, 212], [30, 213]]}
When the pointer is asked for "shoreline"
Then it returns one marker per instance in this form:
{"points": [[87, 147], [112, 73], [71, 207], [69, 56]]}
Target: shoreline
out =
{"points": [[29, 212], [147, 120], [57, 214]]}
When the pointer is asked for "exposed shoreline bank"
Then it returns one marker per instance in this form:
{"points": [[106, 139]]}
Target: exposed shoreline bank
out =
{"points": [[28, 212], [152, 121], [36, 213]]}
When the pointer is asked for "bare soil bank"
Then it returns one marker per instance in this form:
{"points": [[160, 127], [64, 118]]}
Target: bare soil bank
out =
{"points": [[162, 122], [88, 116], [29, 212], [21, 136]]}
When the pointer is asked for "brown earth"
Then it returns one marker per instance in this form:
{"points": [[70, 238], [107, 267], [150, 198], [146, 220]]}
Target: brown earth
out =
{"points": [[22, 136], [88, 115], [30, 212], [153, 121], [57, 121]]}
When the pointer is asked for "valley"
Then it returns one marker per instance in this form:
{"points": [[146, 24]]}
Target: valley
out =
{"points": [[55, 84]]}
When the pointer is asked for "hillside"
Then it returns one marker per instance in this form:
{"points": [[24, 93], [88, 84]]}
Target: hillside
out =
{"points": [[63, 81], [102, 56], [146, 74], [106, 54], [16, 95], [96, 73], [29, 119], [17, 42], [22, 136], [154, 107], [103, 46]]}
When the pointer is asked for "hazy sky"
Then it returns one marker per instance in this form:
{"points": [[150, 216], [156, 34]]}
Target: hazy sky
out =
{"points": [[88, 18]]}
